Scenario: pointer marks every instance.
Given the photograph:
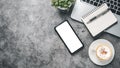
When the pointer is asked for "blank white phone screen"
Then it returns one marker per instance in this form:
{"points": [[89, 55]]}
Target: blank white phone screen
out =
{"points": [[69, 37]]}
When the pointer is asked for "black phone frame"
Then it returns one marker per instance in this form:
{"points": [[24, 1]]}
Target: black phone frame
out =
{"points": [[63, 40]]}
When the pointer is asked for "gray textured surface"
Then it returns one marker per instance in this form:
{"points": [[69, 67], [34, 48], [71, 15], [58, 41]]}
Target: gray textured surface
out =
{"points": [[28, 39]]}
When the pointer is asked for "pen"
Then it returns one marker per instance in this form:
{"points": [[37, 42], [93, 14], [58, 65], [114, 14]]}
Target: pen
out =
{"points": [[97, 16]]}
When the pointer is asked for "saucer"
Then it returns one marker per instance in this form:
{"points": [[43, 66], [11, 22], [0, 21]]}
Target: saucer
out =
{"points": [[92, 53]]}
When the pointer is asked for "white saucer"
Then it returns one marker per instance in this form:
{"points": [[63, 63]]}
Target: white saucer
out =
{"points": [[92, 53]]}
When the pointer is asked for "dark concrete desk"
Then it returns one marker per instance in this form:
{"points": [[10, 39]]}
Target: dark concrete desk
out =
{"points": [[28, 39]]}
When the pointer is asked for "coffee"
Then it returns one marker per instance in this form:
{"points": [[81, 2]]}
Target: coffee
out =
{"points": [[103, 52]]}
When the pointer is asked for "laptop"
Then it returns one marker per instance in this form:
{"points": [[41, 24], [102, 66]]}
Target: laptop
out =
{"points": [[85, 6]]}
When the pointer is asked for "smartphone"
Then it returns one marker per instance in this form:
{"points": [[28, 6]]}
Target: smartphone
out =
{"points": [[68, 36]]}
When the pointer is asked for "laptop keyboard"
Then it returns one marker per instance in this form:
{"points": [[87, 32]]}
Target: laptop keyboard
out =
{"points": [[114, 5]]}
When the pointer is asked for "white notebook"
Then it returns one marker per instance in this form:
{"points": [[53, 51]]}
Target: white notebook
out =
{"points": [[99, 19]]}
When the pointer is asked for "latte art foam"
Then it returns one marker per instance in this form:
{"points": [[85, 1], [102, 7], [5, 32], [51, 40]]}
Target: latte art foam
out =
{"points": [[103, 52]]}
